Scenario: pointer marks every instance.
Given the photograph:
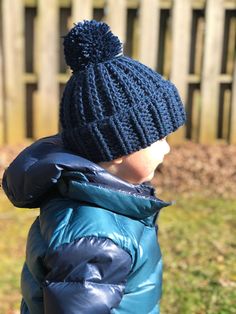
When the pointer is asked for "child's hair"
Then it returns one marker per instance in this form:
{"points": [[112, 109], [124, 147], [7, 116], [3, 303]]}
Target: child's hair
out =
{"points": [[113, 105]]}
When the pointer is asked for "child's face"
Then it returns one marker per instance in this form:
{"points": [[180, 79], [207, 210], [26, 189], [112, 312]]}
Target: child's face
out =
{"points": [[139, 166]]}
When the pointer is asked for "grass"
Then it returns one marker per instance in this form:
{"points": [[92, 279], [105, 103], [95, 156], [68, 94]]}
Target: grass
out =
{"points": [[14, 225], [197, 237]]}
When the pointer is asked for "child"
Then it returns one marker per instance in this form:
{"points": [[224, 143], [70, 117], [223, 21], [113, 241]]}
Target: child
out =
{"points": [[93, 249]]}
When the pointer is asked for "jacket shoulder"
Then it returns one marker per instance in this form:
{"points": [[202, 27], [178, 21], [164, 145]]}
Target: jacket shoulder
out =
{"points": [[64, 220]]}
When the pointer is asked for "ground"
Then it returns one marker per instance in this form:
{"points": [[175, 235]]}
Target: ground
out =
{"points": [[197, 234]]}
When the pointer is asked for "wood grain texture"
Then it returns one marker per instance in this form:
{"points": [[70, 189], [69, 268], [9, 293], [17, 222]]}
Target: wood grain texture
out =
{"points": [[1, 83], [46, 108], [181, 26], [211, 70], [81, 10], [116, 17], [149, 12], [13, 50]]}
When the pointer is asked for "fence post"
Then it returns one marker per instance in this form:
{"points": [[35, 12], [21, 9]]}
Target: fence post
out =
{"points": [[233, 112], [46, 105], [181, 27], [13, 51], [1, 83], [148, 28], [116, 17], [81, 10], [211, 70]]}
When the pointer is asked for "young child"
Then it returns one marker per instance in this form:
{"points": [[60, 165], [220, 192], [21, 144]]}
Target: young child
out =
{"points": [[93, 248]]}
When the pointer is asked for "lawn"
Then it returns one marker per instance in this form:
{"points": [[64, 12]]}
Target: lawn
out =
{"points": [[198, 243], [197, 237]]}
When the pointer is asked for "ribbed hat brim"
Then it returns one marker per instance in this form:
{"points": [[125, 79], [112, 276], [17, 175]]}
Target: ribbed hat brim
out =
{"points": [[129, 131]]}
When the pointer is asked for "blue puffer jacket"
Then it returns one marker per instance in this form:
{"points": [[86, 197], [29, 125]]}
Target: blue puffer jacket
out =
{"points": [[93, 249]]}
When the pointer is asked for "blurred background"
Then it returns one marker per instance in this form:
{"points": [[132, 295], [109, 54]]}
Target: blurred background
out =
{"points": [[193, 44]]}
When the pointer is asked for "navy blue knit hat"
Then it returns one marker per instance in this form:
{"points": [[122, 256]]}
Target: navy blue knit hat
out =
{"points": [[113, 105]]}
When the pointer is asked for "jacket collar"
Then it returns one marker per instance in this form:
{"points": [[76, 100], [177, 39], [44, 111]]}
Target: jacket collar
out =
{"points": [[136, 201], [46, 164]]}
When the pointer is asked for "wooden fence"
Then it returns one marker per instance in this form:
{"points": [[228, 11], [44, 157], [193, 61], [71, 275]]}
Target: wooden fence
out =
{"points": [[191, 42]]}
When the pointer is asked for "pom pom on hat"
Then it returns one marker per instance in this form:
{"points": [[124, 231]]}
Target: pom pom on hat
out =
{"points": [[90, 42]]}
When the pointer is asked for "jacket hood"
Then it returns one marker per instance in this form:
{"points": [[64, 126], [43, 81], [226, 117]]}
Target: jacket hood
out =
{"points": [[46, 165]]}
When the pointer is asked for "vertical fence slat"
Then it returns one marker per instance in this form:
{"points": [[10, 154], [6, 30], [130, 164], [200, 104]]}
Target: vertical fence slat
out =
{"points": [[233, 109], [181, 24], [116, 17], [45, 111], [1, 82], [13, 50], [231, 45], [1, 102], [149, 13], [81, 10], [211, 70]]}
